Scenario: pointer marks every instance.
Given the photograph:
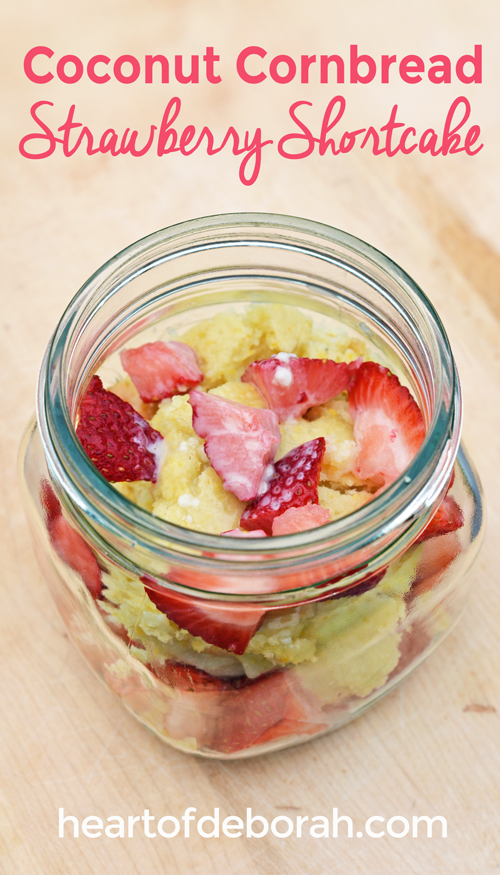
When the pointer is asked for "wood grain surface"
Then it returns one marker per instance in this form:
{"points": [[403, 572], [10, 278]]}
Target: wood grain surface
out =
{"points": [[432, 746]]}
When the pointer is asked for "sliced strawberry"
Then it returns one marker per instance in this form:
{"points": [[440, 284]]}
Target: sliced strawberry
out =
{"points": [[448, 518], [414, 641], [295, 483], [388, 424], [68, 543], [273, 706], [188, 679], [226, 625], [160, 370], [240, 441], [237, 533], [291, 385], [73, 550], [302, 718], [49, 501], [298, 519], [437, 555], [120, 443], [353, 366], [229, 716]]}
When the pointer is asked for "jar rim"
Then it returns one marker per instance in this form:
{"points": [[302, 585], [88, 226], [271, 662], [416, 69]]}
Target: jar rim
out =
{"points": [[404, 506]]}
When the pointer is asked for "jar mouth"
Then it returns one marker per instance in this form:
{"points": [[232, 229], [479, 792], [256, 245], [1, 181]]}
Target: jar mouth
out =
{"points": [[75, 350]]}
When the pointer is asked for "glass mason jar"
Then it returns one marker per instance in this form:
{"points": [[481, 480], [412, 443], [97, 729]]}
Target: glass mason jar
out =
{"points": [[331, 618]]}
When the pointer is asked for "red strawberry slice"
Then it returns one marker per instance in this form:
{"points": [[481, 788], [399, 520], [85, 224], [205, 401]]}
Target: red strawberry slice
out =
{"points": [[273, 706], [295, 484], [160, 370], [229, 716], [49, 501], [224, 625], [388, 424], [448, 518], [189, 679], [68, 543], [73, 550], [437, 554], [240, 441], [414, 641], [353, 366], [298, 519], [120, 443], [291, 385]]}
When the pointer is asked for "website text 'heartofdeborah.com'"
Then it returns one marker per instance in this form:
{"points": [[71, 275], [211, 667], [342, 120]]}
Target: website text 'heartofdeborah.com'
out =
{"points": [[67, 132], [252, 825]]}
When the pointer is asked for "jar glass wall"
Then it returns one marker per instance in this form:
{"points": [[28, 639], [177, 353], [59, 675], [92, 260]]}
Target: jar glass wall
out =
{"points": [[234, 647]]}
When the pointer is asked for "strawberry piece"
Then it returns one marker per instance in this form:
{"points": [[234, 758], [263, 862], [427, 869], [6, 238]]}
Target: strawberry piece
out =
{"points": [[388, 424], [295, 484], [232, 715], [240, 441], [437, 555], [298, 519], [68, 543], [353, 366], [160, 370], [273, 706], [189, 679], [228, 626], [237, 533], [448, 518], [50, 503], [120, 443], [76, 553], [414, 641], [291, 385]]}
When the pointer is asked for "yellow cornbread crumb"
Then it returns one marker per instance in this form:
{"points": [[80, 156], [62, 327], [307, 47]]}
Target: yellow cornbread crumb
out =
{"points": [[206, 507], [282, 328], [228, 342], [140, 492], [335, 426], [225, 345], [341, 503], [242, 393], [338, 346], [185, 457], [358, 639]]}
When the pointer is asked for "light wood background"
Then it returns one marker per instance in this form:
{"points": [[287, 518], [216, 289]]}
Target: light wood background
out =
{"points": [[432, 746]]}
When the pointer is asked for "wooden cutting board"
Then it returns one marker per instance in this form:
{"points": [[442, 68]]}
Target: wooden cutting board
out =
{"points": [[432, 746]]}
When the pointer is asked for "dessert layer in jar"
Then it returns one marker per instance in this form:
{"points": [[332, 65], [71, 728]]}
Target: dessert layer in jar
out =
{"points": [[256, 389]]}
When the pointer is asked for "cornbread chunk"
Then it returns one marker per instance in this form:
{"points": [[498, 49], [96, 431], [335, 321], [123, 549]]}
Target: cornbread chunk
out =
{"points": [[228, 342], [189, 493], [357, 639], [342, 503], [338, 346], [139, 492]]}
